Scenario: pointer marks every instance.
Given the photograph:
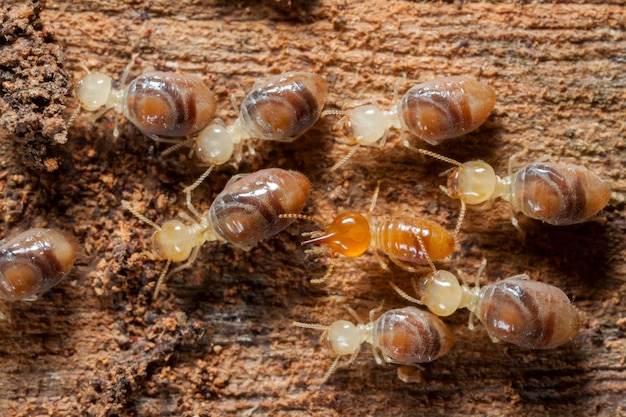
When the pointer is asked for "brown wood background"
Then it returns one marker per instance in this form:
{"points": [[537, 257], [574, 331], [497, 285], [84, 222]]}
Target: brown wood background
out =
{"points": [[219, 339]]}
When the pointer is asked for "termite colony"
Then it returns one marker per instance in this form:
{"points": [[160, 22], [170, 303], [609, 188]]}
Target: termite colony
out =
{"points": [[256, 206], [172, 107]]}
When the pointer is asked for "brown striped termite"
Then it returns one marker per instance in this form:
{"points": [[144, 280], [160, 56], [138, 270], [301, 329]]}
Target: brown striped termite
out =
{"points": [[35, 261], [403, 336], [557, 194], [517, 310], [248, 210], [280, 109], [160, 104], [433, 111]]}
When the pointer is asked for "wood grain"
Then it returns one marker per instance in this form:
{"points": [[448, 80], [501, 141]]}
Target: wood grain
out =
{"points": [[219, 340]]}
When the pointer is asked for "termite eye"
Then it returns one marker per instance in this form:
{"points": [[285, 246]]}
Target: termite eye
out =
{"points": [[343, 337], [93, 91], [473, 182], [368, 124], [174, 241]]}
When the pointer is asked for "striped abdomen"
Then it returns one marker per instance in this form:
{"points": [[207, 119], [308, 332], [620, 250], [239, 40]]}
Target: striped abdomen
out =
{"points": [[446, 108], [284, 107], [527, 313], [247, 210], [558, 194], [397, 239], [409, 335], [169, 104], [34, 261]]}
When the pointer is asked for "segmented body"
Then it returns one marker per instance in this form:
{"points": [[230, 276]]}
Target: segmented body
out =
{"points": [[248, 208], [558, 194], [35, 261], [410, 336], [527, 313], [445, 108], [169, 104], [284, 107], [396, 238]]}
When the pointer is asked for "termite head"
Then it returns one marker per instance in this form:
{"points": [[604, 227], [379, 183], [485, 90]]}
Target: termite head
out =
{"points": [[93, 91], [174, 241], [473, 182]]}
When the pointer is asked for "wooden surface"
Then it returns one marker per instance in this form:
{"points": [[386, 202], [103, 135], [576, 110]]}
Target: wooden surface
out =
{"points": [[219, 340]]}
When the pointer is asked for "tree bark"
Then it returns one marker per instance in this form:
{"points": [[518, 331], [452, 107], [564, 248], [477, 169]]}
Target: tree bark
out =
{"points": [[219, 339]]}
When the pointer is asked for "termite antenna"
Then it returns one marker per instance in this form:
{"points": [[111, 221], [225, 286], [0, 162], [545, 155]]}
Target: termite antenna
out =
{"points": [[331, 370], [426, 255], [70, 121], [177, 146], [328, 273], [187, 190], [133, 210], [296, 216], [161, 280], [404, 295], [345, 159], [333, 113], [459, 221], [431, 154]]}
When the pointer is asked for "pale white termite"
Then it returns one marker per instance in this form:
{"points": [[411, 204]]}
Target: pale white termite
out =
{"points": [[280, 109], [517, 310], [34, 261], [557, 194], [248, 210], [434, 111], [160, 104], [404, 336]]}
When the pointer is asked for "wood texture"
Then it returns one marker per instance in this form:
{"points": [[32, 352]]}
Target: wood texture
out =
{"points": [[219, 339]]}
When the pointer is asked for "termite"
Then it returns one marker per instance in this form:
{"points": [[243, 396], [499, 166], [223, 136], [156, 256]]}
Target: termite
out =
{"points": [[404, 336], [517, 310], [160, 104], [35, 261], [434, 111], [351, 234], [557, 194], [280, 109], [248, 210]]}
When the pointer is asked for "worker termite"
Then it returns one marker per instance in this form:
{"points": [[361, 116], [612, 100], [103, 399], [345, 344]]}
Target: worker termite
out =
{"points": [[246, 211], [557, 194], [433, 111], [280, 109], [526, 313], [35, 261], [351, 234], [403, 336], [159, 104]]}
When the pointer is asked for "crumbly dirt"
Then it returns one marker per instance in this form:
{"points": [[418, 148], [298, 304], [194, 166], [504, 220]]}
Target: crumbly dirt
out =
{"points": [[34, 87], [219, 340]]}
